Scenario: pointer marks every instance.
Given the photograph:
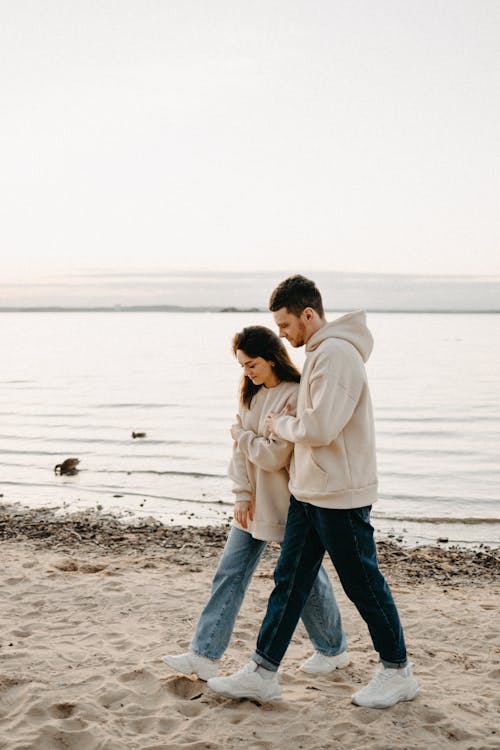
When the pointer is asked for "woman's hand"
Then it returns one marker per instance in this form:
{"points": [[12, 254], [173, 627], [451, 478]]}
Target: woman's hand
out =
{"points": [[236, 428], [244, 511]]}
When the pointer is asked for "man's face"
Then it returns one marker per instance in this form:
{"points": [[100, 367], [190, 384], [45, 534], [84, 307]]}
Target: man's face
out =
{"points": [[290, 327]]}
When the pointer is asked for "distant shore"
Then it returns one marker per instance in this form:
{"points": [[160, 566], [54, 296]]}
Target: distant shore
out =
{"points": [[162, 290], [207, 309]]}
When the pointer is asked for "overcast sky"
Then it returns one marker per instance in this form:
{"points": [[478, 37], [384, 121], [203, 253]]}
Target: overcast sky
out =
{"points": [[355, 135]]}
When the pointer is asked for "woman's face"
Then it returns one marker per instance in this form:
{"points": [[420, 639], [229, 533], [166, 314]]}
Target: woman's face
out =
{"points": [[259, 370]]}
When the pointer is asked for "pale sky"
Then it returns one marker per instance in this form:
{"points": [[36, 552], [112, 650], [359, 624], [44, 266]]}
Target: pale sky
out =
{"points": [[353, 135]]}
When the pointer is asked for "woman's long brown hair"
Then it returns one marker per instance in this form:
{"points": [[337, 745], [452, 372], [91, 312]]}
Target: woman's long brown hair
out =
{"points": [[259, 341]]}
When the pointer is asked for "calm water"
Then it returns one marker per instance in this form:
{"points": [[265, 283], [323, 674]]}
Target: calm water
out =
{"points": [[77, 384]]}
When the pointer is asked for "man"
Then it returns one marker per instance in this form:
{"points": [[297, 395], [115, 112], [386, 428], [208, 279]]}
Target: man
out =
{"points": [[333, 481]]}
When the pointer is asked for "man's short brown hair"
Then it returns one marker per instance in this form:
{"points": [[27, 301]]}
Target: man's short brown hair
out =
{"points": [[296, 293]]}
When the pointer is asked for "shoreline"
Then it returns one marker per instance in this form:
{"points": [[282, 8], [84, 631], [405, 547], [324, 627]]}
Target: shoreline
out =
{"points": [[447, 533], [106, 532]]}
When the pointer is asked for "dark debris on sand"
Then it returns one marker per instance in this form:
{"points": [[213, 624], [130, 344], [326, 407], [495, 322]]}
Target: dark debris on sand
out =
{"points": [[47, 529], [443, 565], [187, 545]]}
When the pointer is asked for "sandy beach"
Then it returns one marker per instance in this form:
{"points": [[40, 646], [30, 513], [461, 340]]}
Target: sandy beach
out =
{"points": [[89, 606]]}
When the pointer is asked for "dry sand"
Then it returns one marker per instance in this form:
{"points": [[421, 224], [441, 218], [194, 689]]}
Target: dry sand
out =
{"points": [[89, 607]]}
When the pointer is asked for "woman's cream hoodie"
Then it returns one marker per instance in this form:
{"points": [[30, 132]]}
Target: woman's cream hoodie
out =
{"points": [[259, 465], [334, 463]]}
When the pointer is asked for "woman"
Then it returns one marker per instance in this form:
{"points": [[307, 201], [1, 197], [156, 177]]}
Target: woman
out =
{"points": [[258, 470]]}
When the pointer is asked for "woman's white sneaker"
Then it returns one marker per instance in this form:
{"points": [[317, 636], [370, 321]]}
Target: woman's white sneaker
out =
{"points": [[190, 663], [389, 686], [322, 664], [247, 683]]}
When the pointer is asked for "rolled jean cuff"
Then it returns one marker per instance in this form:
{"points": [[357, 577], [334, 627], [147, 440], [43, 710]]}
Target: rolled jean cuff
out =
{"points": [[394, 665], [263, 662]]}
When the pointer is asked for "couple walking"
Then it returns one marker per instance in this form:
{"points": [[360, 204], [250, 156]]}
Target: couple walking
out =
{"points": [[311, 436]]}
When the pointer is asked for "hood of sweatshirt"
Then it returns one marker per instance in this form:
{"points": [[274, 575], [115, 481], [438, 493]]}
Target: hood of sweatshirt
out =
{"points": [[351, 327]]}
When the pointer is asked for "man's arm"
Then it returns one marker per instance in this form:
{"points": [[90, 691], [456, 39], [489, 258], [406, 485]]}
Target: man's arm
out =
{"points": [[335, 386]]}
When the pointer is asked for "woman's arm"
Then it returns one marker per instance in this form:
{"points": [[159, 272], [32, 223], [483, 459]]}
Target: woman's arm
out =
{"points": [[270, 453], [244, 504], [237, 471]]}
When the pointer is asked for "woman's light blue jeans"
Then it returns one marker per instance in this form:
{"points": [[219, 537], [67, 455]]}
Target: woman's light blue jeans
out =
{"points": [[321, 615]]}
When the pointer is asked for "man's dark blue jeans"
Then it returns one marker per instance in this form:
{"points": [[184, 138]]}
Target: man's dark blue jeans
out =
{"points": [[347, 536]]}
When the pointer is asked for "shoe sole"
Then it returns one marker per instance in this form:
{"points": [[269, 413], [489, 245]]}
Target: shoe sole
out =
{"points": [[387, 705], [205, 677]]}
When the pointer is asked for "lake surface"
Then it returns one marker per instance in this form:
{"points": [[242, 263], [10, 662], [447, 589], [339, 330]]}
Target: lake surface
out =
{"points": [[78, 384]]}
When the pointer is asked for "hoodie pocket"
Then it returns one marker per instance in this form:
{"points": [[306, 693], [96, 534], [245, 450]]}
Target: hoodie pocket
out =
{"points": [[309, 474]]}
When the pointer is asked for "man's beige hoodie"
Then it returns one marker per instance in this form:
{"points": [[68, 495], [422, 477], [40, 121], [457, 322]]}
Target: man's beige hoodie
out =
{"points": [[259, 465], [334, 463]]}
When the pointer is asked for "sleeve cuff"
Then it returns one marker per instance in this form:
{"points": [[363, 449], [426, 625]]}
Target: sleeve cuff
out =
{"points": [[242, 496], [241, 441], [280, 425]]}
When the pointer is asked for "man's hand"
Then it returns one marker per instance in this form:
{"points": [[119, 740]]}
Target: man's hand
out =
{"points": [[270, 424], [244, 511], [236, 428]]}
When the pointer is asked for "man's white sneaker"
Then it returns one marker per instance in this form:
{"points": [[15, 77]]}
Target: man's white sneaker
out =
{"points": [[247, 683], [322, 664], [389, 686], [190, 663]]}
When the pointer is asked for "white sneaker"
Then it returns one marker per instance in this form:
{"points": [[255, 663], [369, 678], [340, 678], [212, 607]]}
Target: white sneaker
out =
{"points": [[247, 683], [190, 663], [322, 664], [389, 686]]}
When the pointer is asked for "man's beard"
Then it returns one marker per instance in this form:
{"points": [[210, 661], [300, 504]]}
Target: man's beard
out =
{"points": [[300, 339]]}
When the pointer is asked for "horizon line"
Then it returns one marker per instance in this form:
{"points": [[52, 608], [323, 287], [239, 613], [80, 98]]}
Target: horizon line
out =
{"points": [[231, 309]]}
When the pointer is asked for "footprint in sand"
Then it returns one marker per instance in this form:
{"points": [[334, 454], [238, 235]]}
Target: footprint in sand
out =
{"points": [[429, 716], [92, 567], [22, 633], [184, 687], [114, 698], [53, 738], [66, 566], [74, 566], [140, 678], [351, 730], [62, 710], [15, 696], [15, 580]]}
